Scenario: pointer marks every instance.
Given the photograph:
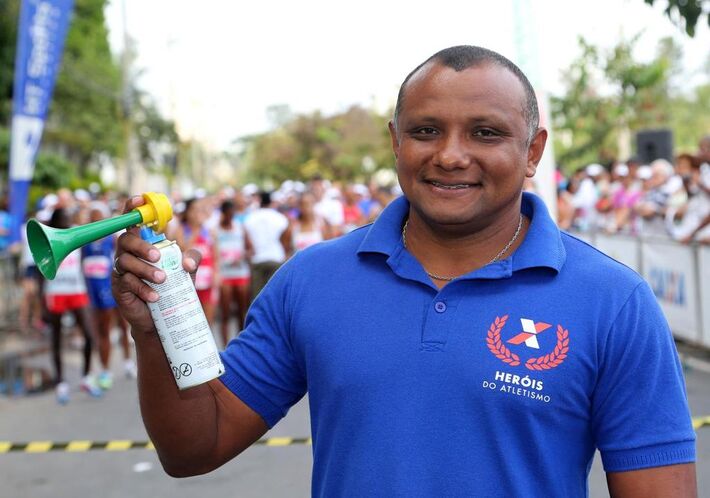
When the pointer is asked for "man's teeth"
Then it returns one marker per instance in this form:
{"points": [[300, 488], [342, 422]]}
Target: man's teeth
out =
{"points": [[451, 187]]}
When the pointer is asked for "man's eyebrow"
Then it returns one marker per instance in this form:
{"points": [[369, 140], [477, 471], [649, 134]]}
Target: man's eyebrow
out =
{"points": [[424, 118], [489, 119]]}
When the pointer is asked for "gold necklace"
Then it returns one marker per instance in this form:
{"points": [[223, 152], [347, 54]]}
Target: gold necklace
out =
{"points": [[495, 258]]}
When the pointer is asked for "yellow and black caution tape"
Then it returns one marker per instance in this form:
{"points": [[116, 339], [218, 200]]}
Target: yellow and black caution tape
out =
{"points": [[117, 445], [699, 422], [123, 445]]}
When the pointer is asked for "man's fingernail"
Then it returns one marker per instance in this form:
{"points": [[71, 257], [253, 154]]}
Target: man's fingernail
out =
{"points": [[158, 276], [190, 263], [136, 198], [153, 255], [153, 296]]}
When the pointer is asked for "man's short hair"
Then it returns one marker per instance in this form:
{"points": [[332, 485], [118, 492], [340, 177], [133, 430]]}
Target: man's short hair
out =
{"points": [[264, 198], [463, 57]]}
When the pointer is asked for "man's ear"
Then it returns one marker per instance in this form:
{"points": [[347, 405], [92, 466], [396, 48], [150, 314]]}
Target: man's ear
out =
{"points": [[394, 138], [535, 150]]}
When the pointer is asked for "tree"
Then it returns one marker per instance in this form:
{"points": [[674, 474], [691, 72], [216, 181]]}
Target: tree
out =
{"points": [[9, 15], [335, 147], [84, 119], [157, 138], [686, 13], [84, 114], [581, 116], [610, 95]]}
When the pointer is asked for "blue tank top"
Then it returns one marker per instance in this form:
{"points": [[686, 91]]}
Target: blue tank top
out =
{"points": [[97, 259]]}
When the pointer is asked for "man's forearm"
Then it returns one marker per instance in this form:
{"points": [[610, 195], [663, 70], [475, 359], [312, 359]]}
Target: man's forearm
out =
{"points": [[181, 424]]}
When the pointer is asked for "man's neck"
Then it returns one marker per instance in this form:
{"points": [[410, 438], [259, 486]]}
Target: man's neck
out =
{"points": [[453, 253]]}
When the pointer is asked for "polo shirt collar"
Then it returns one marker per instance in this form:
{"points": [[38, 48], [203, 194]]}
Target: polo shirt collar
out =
{"points": [[542, 246]]}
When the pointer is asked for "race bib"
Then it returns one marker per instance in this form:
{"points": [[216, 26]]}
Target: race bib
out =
{"points": [[203, 278], [97, 266], [230, 255]]}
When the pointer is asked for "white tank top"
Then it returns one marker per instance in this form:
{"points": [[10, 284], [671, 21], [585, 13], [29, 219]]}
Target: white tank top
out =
{"points": [[303, 239], [69, 279], [232, 248]]}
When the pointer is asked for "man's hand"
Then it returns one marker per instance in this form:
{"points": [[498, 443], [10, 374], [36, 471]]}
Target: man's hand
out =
{"points": [[130, 271]]}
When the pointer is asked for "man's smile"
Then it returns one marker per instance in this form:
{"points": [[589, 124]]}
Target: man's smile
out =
{"points": [[451, 185]]}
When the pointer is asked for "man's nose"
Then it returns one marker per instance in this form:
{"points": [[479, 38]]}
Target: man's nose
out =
{"points": [[453, 153]]}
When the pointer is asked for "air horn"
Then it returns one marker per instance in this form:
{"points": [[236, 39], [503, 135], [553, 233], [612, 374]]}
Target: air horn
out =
{"points": [[49, 246]]}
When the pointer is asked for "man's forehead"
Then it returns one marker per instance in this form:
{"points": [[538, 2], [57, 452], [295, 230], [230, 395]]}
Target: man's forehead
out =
{"points": [[492, 80]]}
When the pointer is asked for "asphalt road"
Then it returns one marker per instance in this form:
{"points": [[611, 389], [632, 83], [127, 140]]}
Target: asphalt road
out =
{"points": [[262, 471]]}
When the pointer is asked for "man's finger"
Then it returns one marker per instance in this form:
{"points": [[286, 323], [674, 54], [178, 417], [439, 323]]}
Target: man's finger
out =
{"points": [[132, 243], [191, 260], [132, 203], [130, 284], [128, 263]]}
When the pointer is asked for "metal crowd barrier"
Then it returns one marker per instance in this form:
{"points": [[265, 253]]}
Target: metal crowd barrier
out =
{"points": [[679, 275], [10, 293]]}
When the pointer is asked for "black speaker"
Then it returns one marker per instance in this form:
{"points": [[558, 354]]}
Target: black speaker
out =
{"points": [[654, 144]]}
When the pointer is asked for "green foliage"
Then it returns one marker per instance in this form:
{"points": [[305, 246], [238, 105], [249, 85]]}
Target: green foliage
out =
{"points": [[4, 159], [581, 117], [608, 96], [687, 121], [686, 13], [157, 138], [84, 117], [84, 112], [52, 171], [9, 15], [335, 147]]}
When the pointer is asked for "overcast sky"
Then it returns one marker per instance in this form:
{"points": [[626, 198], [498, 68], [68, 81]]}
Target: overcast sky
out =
{"points": [[215, 66]]}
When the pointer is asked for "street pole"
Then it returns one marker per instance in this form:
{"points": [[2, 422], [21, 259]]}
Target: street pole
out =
{"points": [[126, 103], [525, 33]]}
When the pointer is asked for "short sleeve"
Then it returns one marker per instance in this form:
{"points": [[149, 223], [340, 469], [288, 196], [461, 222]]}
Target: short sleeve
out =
{"points": [[261, 368], [640, 414]]}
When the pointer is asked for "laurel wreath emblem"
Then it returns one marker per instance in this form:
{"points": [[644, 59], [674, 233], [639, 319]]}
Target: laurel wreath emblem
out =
{"points": [[545, 362], [496, 345], [556, 357]]}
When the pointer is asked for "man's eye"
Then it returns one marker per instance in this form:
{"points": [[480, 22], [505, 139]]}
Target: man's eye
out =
{"points": [[425, 130], [485, 133]]}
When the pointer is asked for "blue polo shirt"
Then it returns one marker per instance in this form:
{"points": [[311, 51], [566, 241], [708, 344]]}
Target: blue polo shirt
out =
{"points": [[502, 383]]}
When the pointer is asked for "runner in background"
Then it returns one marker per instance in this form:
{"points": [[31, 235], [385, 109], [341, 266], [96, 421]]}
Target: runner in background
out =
{"points": [[234, 247], [97, 258], [328, 204], [193, 234], [352, 214], [67, 293], [241, 206], [270, 235], [30, 313], [308, 228]]}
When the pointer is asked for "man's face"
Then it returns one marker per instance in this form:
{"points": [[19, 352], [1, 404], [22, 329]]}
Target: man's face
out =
{"points": [[461, 145]]}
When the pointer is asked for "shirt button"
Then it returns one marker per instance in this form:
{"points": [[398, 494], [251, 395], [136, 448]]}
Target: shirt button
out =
{"points": [[440, 306]]}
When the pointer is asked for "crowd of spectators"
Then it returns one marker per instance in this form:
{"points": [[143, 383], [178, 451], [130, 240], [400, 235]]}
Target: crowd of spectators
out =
{"points": [[658, 199]]}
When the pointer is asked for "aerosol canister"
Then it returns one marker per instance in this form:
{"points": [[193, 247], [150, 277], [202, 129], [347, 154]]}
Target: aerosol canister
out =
{"points": [[180, 320]]}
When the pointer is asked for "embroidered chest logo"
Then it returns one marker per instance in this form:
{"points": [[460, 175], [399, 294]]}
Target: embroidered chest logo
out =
{"points": [[529, 337]]}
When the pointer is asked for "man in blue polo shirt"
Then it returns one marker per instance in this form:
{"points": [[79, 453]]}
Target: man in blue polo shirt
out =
{"points": [[459, 346]]}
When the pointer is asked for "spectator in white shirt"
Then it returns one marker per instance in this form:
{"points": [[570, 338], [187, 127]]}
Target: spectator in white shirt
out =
{"points": [[270, 236]]}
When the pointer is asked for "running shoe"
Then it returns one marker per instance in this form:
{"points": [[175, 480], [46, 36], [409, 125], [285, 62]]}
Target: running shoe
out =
{"points": [[62, 393], [129, 368], [89, 387], [105, 380]]}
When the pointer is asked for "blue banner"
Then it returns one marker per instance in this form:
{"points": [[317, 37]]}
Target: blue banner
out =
{"points": [[40, 43]]}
